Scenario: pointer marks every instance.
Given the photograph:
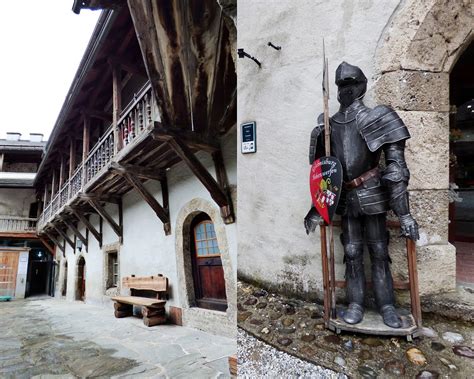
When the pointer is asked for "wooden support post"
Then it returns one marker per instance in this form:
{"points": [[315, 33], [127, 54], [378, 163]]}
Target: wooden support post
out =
{"points": [[94, 203], [76, 231], [227, 212], [200, 171], [166, 202], [82, 218], [53, 185], [66, 237], [324, 262], [47, 245], [61, 173], [72, 156], [45, 195], [117, 104], [413, 277], [57, 243], [85, 147]]}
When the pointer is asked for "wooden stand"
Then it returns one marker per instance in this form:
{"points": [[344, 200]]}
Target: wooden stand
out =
{"points": [[372, 322]]}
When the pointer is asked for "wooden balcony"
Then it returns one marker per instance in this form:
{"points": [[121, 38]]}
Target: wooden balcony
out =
{"points": [[17, 226]]}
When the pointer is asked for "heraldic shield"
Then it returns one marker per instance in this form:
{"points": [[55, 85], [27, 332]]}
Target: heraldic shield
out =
{"points": [[325, 183]]}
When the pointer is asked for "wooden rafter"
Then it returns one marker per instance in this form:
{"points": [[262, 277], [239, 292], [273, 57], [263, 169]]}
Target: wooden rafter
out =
{"points": [[47, 245], [56, 241], [82, 218], [95, 203], [139, 171], [75, 230], [223, 181], [65, 236], [94, 113], [161, 212]]}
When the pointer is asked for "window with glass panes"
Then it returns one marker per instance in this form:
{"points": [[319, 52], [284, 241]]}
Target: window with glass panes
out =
{"points": [[205, 239]]}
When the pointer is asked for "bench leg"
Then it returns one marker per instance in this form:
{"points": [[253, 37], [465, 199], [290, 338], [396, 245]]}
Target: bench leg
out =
{"points": [[153, 316], [155, 320], [123, 310]]}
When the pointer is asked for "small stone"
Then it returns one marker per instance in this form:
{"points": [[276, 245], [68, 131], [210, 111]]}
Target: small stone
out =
{"points": [[348, 346], [287, 330], [395, 342], [415, 356], [265, 331], [332, 338], [242, 316], [260, 293], [285, 341], [394, 367], [367, 372], [308, 351], [275, 315], [453, 337], [256, 321], [251, 301], [289, 309], [436, 346], [428, 332], [287, 321], [372, 341], [365, 355], [307, 337], [427, 374], [448, 363], [240, 307], [385, 354], [319, 327], [261, 305], [302, 325], [464, 351], [340, 361]]}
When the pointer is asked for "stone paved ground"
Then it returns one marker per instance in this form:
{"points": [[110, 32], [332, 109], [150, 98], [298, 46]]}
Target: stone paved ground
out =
{"points": [[55, 337], [296, 327]]}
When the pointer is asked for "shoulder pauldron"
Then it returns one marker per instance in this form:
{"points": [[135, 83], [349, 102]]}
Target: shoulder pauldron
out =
{"points": [[380, 126], [313, 143]]}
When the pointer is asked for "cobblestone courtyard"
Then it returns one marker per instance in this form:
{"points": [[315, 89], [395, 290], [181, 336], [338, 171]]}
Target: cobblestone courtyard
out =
{"points": [[54, 337]]}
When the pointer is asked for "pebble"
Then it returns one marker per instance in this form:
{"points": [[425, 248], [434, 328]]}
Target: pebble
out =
{"points": [[308, 337], [428, 332], [242, 316], [287, 330], [289, 309], [365, 355], [453, 337], [464, 351], [332, 338], [265, 330], [395, 367], [261, 305], [415, 356], [372, 341], [427, 374], [448, 363], [285, 341], [260, 293], [367, 372], [251, 301], [395, 342], [436, 346], [275, 315], [287, 321], [340, 361], [349, 346], [256, 321]]}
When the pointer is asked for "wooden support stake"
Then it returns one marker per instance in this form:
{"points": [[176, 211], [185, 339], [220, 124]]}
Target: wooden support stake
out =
{"points": [[82, 218], [166, 203], [413, 275], [53, 185], [57, 243], [61, 173], [94, 203], [47, 245], [117, 103], [66, 237], [324, 262], [200, 171], [72, 156], [76, 231]]}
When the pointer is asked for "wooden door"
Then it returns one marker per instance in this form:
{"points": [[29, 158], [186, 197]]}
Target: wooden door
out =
{"points": [[208, 273], [8, 272], [81, 280]]}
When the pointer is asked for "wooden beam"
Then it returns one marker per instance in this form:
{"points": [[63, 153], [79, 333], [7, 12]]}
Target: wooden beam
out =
{"points": [[47, 245], [200, 171], [55, 240], [193, 140], [86, 138], [82, 218], [101, 115], [227, 212], [61, 172], [127, 65], [100, 197], [65, 236], [76, 231], [94, 203], [139, 171], [53, 185], [162, 213], [117, 103], [72, 156]]}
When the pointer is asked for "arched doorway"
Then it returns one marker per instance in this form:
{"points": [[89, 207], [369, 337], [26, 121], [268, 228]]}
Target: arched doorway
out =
{"points": [[208, 273], [81, 279], [461, 210], [64, 287]]}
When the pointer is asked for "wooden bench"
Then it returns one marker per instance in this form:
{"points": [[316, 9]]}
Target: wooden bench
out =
{"points": [[153, 309]]}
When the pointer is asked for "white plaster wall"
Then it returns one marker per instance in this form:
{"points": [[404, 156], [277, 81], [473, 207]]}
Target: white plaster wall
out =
{"points": [[146, 250], [16, 202], [284, 98], [21, 275]]}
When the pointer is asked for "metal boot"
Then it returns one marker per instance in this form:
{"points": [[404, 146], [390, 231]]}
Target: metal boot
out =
{"points": [[355, 279]]}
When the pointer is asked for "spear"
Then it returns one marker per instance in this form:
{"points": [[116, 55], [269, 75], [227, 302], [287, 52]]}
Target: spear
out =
{"points": [[327, 145]]}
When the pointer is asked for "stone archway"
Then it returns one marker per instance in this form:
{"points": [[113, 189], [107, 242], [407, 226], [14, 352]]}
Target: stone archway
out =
{"points": [[414, 57], [80, 287], [63, 278], [194, 316]]}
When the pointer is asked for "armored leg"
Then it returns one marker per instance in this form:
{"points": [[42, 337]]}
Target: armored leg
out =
{"points": [[381, 276], [355, 277]]}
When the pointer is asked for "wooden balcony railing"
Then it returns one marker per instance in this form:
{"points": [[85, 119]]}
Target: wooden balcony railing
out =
{"points": [[14, 224], [136, 118]]}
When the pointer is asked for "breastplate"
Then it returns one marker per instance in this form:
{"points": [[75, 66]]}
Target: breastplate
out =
{"points": [[347, 144]]}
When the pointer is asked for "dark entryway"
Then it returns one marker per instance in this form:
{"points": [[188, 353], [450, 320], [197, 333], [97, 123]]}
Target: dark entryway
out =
{"points": [[208, 274], [40, 273], [461, 212], [81, 279]]}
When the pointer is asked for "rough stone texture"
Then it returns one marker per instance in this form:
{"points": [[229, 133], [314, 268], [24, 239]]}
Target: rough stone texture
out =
{"points": [[425, 35], [429, 142], [414, 90], [436, 268]]}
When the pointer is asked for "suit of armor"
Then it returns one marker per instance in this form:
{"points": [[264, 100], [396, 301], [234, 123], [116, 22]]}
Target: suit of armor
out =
{"points": [[359, 135]]}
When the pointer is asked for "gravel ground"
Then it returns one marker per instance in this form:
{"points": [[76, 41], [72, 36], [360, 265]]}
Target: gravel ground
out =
{"points": [[259, 360]]}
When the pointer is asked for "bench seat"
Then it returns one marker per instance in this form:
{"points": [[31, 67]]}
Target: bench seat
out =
{"points": [[143, 301]]}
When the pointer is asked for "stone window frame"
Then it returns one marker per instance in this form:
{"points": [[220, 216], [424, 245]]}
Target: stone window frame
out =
{"points": [[106, 250]]}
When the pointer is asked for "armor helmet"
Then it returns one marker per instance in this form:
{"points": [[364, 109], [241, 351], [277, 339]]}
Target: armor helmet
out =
{"points": [[351, 82]]}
